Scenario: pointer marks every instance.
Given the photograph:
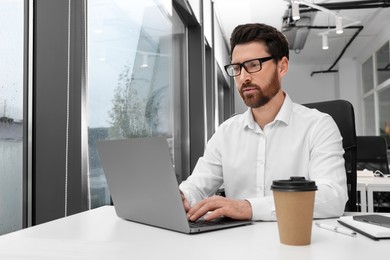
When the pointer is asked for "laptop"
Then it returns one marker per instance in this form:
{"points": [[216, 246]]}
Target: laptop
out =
{"points": [[143, 185]]}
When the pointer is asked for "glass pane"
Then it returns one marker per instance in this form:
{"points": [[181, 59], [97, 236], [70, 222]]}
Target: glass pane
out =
{"points": [[135, 85], [384, 113], [368, 76], [369, 115], [383, 63], [11, 115]]}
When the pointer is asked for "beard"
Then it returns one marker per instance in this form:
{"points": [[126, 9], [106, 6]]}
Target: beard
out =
{"points": [[261, 96]]}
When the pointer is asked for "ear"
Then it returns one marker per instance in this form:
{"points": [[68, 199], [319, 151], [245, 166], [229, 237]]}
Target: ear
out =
{"points": [[283, 66]]}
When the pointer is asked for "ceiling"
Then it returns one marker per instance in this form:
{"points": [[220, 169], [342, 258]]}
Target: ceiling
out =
{"points": [[230, 13]]}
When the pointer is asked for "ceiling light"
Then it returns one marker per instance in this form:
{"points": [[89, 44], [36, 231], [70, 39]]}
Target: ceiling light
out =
{"points": [[339, 24], [295, 10], [325, 45]]}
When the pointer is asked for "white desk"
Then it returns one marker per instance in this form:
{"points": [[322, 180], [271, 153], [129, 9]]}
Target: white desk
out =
{"points": [[100, 234], [367, 186]]}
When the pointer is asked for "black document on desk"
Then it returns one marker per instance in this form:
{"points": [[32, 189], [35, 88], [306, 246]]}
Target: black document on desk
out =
{"points": [[374, 232]]}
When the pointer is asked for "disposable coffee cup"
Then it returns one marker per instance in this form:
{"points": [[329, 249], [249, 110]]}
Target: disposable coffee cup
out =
{"points": [[294, 205]]}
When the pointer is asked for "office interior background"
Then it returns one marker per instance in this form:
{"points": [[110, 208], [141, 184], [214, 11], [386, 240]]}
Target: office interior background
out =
{"points": [[73, 72]]}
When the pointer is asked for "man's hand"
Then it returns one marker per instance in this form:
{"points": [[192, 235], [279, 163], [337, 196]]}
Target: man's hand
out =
{"points": [[218, 206], [186, 205]]}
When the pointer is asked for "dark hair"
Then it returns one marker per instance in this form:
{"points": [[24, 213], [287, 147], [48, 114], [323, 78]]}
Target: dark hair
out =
{"points": [[275, 41]]}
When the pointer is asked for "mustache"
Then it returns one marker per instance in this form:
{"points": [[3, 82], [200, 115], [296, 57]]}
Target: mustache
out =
{"points": [[249, 85]]}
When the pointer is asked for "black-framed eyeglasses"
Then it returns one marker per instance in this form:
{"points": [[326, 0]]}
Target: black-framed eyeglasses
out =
{"points": [[251, 66]]}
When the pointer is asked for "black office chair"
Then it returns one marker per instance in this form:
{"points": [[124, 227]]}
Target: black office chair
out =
{"points": [[343, 114], [372, 154]]}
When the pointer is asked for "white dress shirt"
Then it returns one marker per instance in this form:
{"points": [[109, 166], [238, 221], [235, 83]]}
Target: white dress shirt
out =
{"points": [[246, 159]]}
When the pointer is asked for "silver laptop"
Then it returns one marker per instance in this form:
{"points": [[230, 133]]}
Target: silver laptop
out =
{"points": [[144, 188]]}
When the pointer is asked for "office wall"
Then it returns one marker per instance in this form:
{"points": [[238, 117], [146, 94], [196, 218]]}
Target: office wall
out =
{"points": [[350, 88], [304, 88]]}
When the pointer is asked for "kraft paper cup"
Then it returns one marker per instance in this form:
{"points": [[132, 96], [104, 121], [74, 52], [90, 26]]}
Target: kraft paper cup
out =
{"points": [[294, 204]]}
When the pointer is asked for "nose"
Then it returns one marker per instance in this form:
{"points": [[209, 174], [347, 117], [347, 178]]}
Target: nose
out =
{"points": [[244, 77]]}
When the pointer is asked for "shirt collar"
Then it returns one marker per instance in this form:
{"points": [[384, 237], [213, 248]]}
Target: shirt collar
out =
{"points": [[285, 111], [283, 115]]}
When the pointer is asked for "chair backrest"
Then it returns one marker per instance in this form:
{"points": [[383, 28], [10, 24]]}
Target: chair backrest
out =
{"points": [[343, 114], [372, 153]]}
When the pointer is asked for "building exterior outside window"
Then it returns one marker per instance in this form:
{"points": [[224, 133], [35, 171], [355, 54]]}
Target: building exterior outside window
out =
{"points": [[11, 115]]}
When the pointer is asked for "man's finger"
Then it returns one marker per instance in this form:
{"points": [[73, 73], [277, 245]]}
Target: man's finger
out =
{"points": [[203, 207], [186, 204]]}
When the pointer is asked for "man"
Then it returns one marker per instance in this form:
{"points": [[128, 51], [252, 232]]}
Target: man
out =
{"points": [[274, 139]]}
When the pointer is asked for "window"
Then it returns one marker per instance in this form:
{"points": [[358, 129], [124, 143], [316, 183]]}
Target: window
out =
{"points": [[384, 113], [376, 93], [136, 80], [11, 115], [383, 63], [383, 72]]}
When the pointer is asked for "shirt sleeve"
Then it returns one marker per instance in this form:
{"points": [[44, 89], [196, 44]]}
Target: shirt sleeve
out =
{"points": [[263, 208], [207, 177], [327, 169]]}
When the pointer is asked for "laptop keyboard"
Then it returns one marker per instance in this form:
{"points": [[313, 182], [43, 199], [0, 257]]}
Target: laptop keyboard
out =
{"points": [[207, 223]]}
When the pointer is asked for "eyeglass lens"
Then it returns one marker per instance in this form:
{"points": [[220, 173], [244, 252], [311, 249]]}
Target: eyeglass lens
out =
{"points": [[250, 66]]}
